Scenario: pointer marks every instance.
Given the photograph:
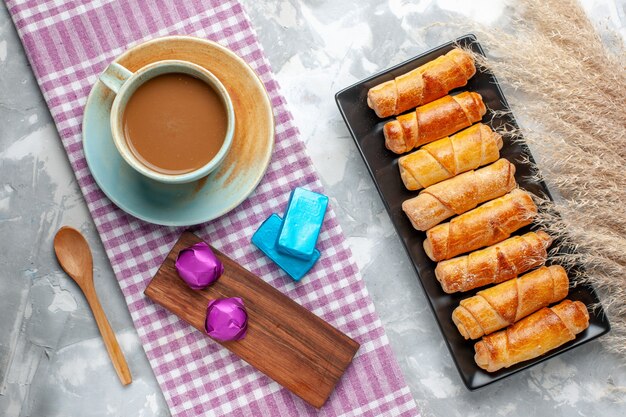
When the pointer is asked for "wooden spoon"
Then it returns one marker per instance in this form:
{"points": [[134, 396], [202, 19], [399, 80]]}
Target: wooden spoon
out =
{"points": [[74, 255]]}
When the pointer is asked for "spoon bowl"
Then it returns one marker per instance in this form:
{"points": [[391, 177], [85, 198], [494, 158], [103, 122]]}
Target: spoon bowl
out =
{"points": [[74, 255]]}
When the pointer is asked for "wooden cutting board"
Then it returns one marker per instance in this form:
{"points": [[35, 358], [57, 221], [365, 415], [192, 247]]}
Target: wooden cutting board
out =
{"points": [[285, 341]]}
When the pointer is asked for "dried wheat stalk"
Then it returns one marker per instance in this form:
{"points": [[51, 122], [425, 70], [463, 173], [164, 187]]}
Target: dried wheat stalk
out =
{"points": [[571, 88]]}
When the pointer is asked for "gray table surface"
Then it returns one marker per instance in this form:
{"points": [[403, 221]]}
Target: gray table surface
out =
{"points": [[52, 360]]}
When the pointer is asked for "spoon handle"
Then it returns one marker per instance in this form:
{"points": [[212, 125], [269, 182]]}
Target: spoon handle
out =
{"points": [[110, 341]]}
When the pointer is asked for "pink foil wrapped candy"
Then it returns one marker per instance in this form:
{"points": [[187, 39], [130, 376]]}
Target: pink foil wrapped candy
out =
{"points": [[198, 266], [226, 319]]}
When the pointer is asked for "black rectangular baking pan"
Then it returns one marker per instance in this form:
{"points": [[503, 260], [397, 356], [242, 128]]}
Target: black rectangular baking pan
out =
{"points": [[367, 131]]}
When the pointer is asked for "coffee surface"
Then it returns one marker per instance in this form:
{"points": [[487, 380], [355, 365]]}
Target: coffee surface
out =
{"points": [[174, 123]]}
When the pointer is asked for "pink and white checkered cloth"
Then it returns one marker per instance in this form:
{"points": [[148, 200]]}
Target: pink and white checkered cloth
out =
{"points": [[68, 44]]}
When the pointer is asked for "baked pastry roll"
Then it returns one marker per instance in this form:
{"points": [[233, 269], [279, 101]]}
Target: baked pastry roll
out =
{"points": [[497, 263], [532, 336], [485, 225], [433, 121], [469, 149], [422, 85], [459, 194], [502, 305]]}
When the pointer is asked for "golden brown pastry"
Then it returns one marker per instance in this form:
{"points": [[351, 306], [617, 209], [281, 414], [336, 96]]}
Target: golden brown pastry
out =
{"points": [[532, 336], [433, 121], [504, 304], [483, 226], [459, 194], [422, 85], [497, 263], [471, 148]]}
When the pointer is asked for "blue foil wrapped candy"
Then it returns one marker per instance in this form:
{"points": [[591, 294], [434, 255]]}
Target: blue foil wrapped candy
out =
{"points": [[302, 223], [265, 239], [198, 266], [226, 319]]}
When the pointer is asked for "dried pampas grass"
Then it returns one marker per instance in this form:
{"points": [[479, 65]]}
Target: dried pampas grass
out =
{"points": [[567, 86]]}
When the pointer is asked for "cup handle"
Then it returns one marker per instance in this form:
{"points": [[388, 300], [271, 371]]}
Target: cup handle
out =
{"points": [[115, 76]]}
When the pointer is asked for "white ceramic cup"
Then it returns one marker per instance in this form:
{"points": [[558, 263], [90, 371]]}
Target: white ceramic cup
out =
{"points": [[124, 83]]}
